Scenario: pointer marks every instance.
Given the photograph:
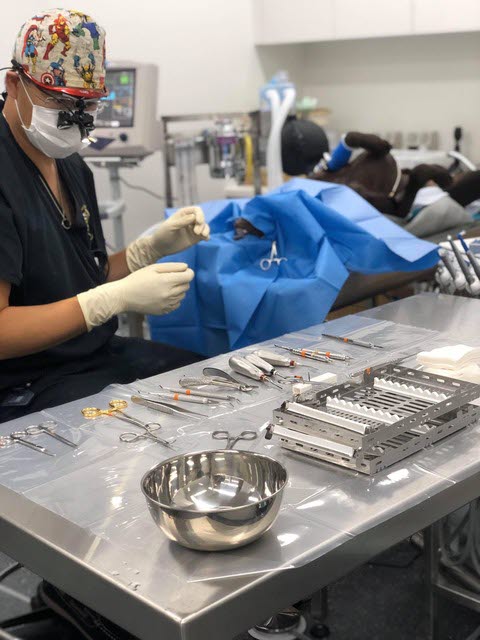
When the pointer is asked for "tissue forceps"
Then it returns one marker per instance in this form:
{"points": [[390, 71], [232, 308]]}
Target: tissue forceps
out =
{"points": [[232, 440], [266, 263], [115, 410], [48, 428], [165, 407]]}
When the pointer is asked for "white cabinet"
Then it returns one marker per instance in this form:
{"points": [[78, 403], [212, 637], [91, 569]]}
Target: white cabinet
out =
{"points": [[283, 21], [290, 21], [372, 18], [446, 16]]}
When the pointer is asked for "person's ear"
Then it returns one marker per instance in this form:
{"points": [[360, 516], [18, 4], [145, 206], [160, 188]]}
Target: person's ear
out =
{"points": [[12, 82]]}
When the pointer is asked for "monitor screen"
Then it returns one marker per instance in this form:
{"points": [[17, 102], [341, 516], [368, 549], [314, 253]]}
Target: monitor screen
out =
{"points": [[118, 110]]}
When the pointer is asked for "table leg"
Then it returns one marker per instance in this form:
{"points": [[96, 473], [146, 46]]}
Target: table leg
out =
{"points": [[431, 541], [319, 606]]}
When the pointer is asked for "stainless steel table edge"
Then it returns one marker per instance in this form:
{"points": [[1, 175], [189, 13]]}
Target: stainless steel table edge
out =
{"points": [[273, 592], [270, 592], [40, 553], [445, 313]]}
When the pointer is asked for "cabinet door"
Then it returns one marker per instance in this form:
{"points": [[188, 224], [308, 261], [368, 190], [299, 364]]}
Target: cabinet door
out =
{"points": [[372, 18], [289, 21], [446, 16]]}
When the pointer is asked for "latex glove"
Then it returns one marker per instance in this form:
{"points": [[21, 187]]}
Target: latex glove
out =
{"points": [[182, 230], [156, 289]]}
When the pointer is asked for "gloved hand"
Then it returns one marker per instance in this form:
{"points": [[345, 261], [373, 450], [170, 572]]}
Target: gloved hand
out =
{"points": [[156, 289], [182, 230]]}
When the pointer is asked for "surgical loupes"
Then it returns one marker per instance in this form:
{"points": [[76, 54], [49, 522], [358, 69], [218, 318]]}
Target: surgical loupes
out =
{"points": [[246, 368]]}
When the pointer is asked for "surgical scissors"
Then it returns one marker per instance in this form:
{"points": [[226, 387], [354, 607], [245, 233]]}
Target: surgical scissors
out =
{"points": [[48, 428], [18, 436], [232, 440], [115, 410], [266, 263], [114, 406]]}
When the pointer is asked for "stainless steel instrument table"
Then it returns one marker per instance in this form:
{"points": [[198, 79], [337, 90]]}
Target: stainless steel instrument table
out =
{"points": [[97, 542]]}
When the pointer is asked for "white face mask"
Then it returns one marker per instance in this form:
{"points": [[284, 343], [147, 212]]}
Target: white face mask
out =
{"points": [[44, 134]]}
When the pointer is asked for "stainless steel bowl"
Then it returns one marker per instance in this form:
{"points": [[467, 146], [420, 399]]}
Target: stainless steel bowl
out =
{"points": [[215, 500]]}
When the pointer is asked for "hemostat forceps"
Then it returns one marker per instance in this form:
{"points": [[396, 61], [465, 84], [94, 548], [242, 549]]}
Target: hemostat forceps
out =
{"points": [[115, 410], [266, 263], [232, 440], [149, 434]]}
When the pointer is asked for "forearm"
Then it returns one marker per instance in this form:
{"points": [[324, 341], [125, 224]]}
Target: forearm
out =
{"points": [[27, 330], [117, 266]]}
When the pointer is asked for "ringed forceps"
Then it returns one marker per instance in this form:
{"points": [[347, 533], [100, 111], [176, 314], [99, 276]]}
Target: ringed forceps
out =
{"points": [[232, 440]]}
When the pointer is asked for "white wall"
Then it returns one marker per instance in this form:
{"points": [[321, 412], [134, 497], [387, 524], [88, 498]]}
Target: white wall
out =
{"points": [[406, 83]]}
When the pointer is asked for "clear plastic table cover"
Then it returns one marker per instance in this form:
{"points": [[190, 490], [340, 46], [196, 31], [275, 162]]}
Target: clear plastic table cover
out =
{"points": [[385, 333], [292, 541], [22, 468], [398, 342], [361, 502], [97, 486], [454, 458]]}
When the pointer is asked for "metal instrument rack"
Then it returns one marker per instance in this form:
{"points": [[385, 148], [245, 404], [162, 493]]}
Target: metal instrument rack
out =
{"points": [[394, 412]]}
